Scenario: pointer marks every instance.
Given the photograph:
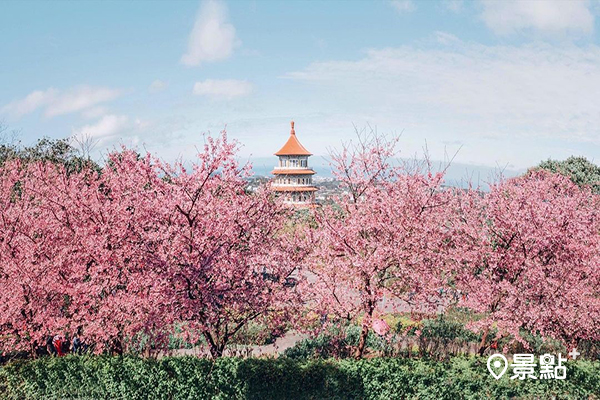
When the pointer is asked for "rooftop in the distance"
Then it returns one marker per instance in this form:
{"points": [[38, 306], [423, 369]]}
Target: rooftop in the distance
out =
{"points": [[293, 147]]}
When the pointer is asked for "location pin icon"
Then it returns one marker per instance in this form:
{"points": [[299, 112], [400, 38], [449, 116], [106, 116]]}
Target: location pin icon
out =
{"points": [[497, 365]]}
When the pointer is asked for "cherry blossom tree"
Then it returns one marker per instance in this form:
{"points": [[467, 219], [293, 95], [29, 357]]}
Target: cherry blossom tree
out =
{"points": [[229, 254], [24, 292], [138, 247], [388, 241], [537, 267], [71, 258]]}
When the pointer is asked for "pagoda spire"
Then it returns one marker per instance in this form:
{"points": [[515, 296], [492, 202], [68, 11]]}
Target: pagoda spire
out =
{"points": [[293, 147]]}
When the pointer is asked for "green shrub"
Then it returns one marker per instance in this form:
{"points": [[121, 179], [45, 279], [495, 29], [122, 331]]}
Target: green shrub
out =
{"points": [[104, 377], [335, 342], [441, 337]]}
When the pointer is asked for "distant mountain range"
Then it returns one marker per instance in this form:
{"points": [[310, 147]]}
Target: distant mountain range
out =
{"points": [[457, 174]]}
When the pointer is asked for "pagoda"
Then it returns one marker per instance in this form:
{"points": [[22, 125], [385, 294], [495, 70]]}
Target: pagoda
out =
{"points": [[293, 177]]}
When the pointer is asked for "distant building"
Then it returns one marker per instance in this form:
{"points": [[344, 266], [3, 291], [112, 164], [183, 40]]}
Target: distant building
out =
{"points": [[293, 178]]}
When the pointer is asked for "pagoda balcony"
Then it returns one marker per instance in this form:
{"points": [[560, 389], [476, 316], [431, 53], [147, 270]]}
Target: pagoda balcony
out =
{"points": [[293, 171], [290, 167], [291, 184], [294, 188]]}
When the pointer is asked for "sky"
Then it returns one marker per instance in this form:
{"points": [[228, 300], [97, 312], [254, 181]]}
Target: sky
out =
{"points": [[501, 83]]}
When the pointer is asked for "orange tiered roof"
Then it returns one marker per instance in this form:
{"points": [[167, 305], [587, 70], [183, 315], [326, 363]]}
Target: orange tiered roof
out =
{"points": [[294, 188], [293, 147], [298, 171]]}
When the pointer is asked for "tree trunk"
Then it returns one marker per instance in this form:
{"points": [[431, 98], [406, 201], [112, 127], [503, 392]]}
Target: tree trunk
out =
{"points": [[33, 350], [116, 347], [363, 339], [217, 351], [482, 345], [216, 346], [369, 307]]}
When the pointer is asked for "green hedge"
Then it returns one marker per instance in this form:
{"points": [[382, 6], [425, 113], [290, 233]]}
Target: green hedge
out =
{"points": [[104, 377]]}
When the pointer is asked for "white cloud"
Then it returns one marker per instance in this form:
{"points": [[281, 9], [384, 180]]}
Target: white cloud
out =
{"points": [[56, 102], [30, 103], [107, 126], [403, 6], [547, 17], [79, 99], [223, 89], [497, 95], [158, 86], [212, 38]]}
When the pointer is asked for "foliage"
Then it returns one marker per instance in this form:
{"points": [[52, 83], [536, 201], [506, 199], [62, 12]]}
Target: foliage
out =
{"points": [[535, 267], [581, 171], [257, 334], [72, 257], [335, 342], [146, 255], [56, 151], [118, 257], [226, 378], [438, 337], [389, 236], [441, 338]]}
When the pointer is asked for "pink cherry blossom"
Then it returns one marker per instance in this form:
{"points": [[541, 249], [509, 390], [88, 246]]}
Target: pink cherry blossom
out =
{"points": [[533, 265], [385, 244], [132, 251], [380, 327]]}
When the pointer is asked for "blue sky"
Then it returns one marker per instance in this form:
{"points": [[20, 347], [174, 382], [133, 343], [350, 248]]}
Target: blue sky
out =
{"points": [[508, 83]]}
